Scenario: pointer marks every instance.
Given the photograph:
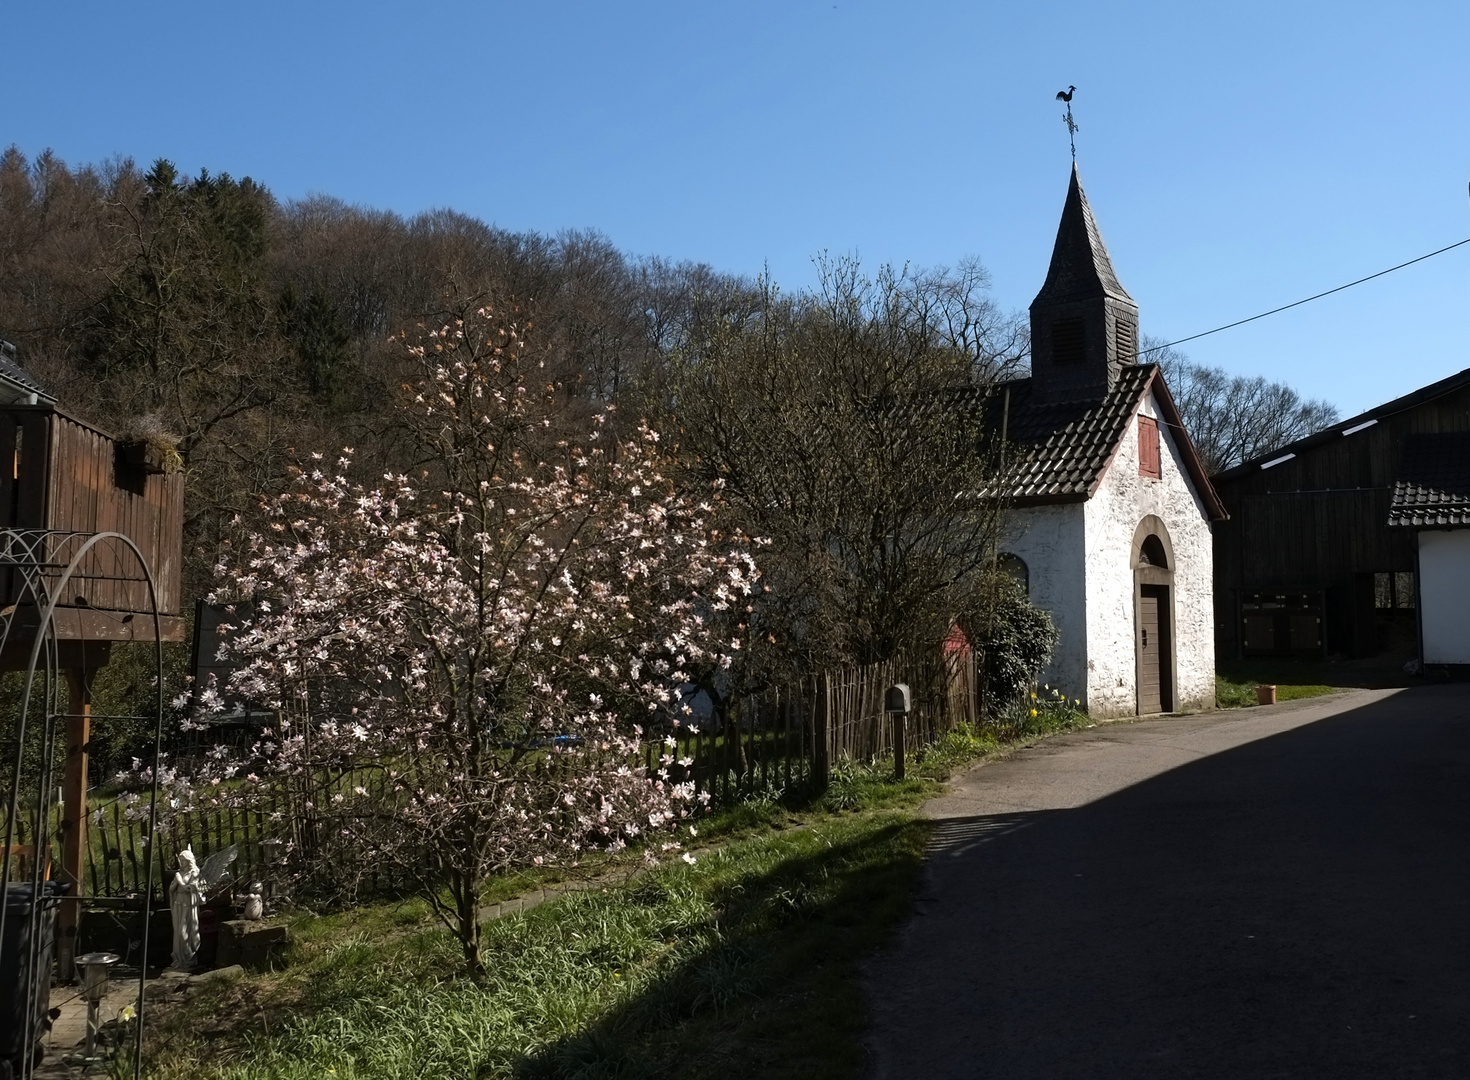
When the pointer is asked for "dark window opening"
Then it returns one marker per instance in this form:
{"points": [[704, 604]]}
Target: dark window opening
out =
{"points": [[1069, 341], [1151, 553], [1395, 590]]}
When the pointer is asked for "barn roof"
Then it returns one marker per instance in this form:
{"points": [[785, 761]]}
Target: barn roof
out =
{"points": [[1065, 448], [1433, 484], [1424, 394]]}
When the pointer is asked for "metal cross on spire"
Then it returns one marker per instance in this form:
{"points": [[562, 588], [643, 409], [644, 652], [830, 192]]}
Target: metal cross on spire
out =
{"points": [[1066, 95]]}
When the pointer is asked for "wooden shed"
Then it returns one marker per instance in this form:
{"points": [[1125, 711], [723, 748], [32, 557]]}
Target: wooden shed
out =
{"points": [[62, 482], [73, 479], [1308, 564]]}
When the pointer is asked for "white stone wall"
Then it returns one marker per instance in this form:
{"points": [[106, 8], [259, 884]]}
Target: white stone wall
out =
{"points": [[1112, 516], [1051, 541]]}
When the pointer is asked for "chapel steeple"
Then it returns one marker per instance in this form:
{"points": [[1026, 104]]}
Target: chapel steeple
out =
{"points": [[1084, 325]]}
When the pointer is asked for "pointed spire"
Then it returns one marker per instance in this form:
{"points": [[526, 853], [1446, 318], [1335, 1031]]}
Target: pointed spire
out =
{"points": [[1080, 267], [1084, 325]]}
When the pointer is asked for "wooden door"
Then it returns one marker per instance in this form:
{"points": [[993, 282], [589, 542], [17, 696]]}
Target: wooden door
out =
{"points": [[1155, 657]]}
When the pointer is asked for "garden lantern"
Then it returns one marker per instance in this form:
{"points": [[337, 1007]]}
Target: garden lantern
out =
{"points": [[94, 968]]}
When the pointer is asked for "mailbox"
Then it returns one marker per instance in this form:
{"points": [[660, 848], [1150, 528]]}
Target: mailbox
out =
{"points": [[896, 698]]}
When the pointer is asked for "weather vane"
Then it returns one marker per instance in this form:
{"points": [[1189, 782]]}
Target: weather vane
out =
{"points": [[1066, 95]]}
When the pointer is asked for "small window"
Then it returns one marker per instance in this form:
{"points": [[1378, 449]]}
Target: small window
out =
{"points": [[1014, 567], [1148, 447], [1069, 341], [1125, 340], [1394, 590]]}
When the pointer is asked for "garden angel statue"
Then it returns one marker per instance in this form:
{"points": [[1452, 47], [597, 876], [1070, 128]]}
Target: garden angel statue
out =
{"points": [[186, 892]]}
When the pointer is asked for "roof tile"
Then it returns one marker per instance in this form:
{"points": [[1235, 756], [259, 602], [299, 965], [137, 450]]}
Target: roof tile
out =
{"points": [[1433, 485], [1064, 447]]}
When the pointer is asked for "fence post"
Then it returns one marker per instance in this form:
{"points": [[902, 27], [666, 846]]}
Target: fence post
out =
{"points": [[821, 764]]}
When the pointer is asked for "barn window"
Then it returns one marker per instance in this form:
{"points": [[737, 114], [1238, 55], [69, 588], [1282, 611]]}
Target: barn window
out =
{"points": [[1069, 341], [1394, 590], [1148, 447]]}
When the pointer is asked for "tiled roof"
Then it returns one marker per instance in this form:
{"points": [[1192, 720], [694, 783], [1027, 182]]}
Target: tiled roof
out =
{"points": [[1433, 485], [1064, 448]]}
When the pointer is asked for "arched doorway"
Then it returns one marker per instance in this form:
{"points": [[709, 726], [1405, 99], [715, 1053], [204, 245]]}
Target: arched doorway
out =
{"points": [[1153, 606]]}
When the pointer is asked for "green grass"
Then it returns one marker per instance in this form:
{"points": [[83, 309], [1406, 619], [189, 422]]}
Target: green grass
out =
{"points": [[745, 961], [743, 964], [1235, 693]]}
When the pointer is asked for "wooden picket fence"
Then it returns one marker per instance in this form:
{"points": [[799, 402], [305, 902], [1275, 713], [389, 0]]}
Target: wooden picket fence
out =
{"points": [[790, 736], [784, 740]]}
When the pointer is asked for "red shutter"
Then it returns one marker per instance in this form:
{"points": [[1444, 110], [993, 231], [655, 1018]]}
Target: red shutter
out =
{"points": [[1148, 447]]}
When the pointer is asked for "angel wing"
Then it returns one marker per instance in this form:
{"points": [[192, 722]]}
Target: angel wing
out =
{"points": [[216, 868]]}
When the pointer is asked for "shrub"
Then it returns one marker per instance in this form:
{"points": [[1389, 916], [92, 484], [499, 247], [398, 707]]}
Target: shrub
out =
{"points": [[1015, 639]]}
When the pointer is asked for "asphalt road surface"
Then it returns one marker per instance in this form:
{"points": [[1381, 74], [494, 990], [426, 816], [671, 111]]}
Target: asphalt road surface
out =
{"points": [[1264, 893]]}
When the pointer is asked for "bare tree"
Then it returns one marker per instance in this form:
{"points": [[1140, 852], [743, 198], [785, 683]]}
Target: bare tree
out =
{"points": [[1233, 418], [832, 421]]}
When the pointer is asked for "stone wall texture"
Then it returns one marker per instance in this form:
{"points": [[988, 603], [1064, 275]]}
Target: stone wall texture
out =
{"points": [[1113, 514]]}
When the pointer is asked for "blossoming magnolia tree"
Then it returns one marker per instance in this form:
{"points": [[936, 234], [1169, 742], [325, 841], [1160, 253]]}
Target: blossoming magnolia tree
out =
{"points": [[482, 649]]}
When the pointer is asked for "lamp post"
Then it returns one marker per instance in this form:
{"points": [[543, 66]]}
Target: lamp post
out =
{"points": [[94, 968], [896, 702]]}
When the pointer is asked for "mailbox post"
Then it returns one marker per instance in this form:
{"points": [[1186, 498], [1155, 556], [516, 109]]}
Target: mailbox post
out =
{"points": [[896, 701]]}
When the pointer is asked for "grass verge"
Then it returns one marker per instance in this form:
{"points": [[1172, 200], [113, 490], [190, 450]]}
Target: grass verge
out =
{"points": [[744, 963], [1239, 690]]}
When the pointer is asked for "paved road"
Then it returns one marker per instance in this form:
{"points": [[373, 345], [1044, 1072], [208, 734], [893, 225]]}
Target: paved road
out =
{"points": [[1276, 892]]}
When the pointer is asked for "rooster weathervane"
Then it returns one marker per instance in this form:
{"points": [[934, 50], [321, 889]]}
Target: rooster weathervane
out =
{"points": [[1066, 95]]}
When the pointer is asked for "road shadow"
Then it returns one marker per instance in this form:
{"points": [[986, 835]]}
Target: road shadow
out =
{"points": [[1293, 907]]}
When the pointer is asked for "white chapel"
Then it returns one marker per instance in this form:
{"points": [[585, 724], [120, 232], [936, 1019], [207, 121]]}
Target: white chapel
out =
{"points": [[1110, 529]]}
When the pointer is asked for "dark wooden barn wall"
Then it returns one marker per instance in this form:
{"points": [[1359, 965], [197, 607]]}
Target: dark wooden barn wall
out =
{"points": [[1318, 523]]}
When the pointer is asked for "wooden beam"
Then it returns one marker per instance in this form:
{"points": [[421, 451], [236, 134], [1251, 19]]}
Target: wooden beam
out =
{"points": [[73, 814]]}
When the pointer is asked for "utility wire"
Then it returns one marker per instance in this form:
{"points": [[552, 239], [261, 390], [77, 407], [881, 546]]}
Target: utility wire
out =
{"points": [[1308, 300]]}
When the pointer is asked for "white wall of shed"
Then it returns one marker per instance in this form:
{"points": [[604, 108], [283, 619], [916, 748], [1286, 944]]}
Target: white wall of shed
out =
{"points": [[1444, 595], [1050, 540], [1113, 514]]}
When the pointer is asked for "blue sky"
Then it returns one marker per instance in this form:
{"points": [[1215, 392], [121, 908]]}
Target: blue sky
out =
{"points": [[1238, 156]]}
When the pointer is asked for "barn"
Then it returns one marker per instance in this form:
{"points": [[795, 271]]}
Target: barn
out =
{"points": [[1344, 543]]}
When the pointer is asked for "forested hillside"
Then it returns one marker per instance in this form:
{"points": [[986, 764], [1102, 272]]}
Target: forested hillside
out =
{"points": [[244, 325]]}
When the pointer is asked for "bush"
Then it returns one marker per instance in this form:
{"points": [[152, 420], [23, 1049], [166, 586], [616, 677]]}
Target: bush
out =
{"points": [[1015, 639]]}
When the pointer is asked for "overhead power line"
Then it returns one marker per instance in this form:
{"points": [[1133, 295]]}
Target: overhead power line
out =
{"points": [[1308, 300]]}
